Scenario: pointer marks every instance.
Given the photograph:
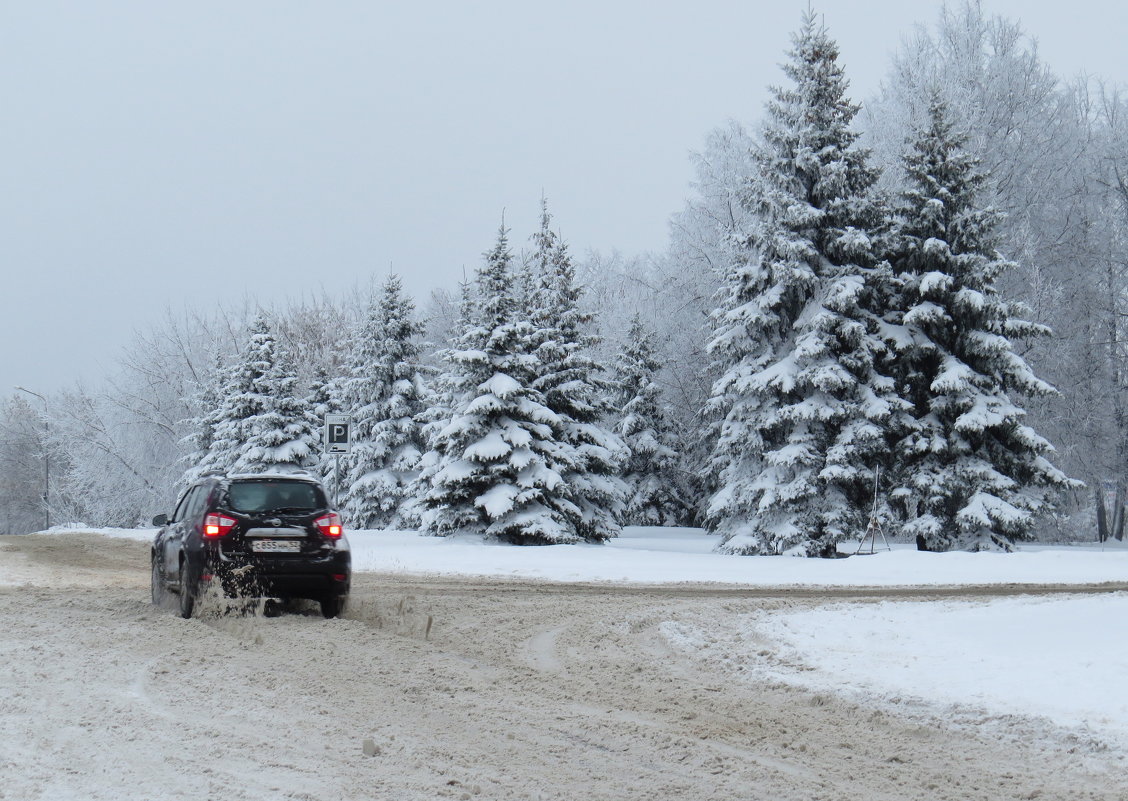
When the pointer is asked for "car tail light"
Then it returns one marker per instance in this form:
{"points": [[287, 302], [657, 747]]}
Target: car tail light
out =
{"points": [[216, 525], [329, 525]]}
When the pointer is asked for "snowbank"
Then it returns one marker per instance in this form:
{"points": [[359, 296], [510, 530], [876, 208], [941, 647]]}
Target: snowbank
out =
{"points": [[656, 555], [648, 555]]}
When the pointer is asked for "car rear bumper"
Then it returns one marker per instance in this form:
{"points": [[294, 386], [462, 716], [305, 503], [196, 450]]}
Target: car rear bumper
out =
{"points": [[258, 575]]}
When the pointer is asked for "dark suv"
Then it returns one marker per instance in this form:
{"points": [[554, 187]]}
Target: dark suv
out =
{"points": [[261, 536]]}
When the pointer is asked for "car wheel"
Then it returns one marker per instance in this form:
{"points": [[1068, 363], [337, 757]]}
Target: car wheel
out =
{"points": [[187, 592], [158, 587], [332, 605]]}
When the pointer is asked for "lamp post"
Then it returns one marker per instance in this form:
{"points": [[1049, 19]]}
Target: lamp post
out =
{"points": [[46, 460]]}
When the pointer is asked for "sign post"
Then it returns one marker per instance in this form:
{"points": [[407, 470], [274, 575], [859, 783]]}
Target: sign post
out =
{"points": [[338, 440]]}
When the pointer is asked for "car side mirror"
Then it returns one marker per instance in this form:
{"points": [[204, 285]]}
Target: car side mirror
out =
{"points": [[160, 520]]}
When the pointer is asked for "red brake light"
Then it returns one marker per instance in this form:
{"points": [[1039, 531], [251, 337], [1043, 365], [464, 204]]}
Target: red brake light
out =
{"points": [[217, 525], [329, 525]]}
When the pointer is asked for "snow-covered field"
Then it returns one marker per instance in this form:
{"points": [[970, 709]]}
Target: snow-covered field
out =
{"points": [[1063, 657]]}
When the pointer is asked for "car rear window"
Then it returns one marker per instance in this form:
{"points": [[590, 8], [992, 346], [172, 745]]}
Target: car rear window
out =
{"points": [[273, 496]]}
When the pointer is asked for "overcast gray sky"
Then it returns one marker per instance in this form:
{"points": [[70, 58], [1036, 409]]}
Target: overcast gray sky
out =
{"points": [[159, 155]]}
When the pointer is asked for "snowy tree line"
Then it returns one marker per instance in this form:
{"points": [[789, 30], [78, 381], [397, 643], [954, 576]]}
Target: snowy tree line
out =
{"points": [[833, 315]]}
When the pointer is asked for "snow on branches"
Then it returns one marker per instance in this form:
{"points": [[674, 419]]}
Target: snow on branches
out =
{"points": [[970, 472], [804, 403]]}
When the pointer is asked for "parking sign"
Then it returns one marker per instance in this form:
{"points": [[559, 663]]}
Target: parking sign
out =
{"points": [[338, 434]]}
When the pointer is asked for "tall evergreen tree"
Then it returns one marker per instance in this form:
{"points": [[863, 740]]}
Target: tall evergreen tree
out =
{"points": [[260, 424], [384, 394], [444, 390], [281, 433], [657, 494], [805, 411], [497, 465], [322, 399], [237, 401], [207, 402], [972, 473], [324, 394], [569, 378]]}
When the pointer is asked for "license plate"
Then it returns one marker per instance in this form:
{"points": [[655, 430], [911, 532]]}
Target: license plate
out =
{"points": [[276, 546]]}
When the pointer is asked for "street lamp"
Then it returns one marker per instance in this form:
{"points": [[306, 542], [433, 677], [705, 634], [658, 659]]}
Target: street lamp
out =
{"points": [[46, 459]]}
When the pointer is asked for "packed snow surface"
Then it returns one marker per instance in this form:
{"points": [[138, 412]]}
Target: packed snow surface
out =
{"points": [[1052, 657]]}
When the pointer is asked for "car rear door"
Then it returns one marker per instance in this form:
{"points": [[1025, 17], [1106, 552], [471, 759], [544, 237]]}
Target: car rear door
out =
{"points": [[177, 528]]}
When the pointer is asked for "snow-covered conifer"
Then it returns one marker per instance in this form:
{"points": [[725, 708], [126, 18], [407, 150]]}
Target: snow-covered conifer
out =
{"points": [[261, 424], [281, 432], [971, 472], [444, 390], [657, 494], [804, 410], [237, 401], [322, 399], [384, 393], [572, 387], [497, 466], [324, 394], [207, 402]]}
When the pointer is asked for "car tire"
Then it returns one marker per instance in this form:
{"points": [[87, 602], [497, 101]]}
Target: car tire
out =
{"points": [[158, 587], [187, 593], [332, 605]]}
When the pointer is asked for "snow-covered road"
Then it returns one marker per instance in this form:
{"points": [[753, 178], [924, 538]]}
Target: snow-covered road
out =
{"points": [[521, 690]]}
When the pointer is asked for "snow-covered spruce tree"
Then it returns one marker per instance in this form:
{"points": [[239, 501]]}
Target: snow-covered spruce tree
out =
{"points": [[805, 412], [283, 432], [972, 474], [324, 395], [568, 376], [237, 401], [384, 393], [260, 424], [445, 387], [206, 401], [657, 494], [496, 466], [323, 398]]}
